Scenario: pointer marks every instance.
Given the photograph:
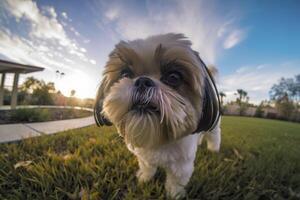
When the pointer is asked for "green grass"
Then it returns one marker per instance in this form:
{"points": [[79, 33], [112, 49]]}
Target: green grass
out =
{"points": [[259, 159]]}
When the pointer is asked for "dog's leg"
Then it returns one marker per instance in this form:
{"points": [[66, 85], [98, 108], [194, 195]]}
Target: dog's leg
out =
{"points": [[146, 171], [178, 175], [214, 139]]}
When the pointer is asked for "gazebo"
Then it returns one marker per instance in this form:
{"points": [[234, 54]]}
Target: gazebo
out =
{"points": [[16, 69]]}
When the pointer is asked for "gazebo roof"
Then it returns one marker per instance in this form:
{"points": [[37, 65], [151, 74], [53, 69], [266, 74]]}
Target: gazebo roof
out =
{"points": [[12, 67]]}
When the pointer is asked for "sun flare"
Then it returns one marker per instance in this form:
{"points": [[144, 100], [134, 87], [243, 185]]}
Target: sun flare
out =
{"points": [[80, 82]]}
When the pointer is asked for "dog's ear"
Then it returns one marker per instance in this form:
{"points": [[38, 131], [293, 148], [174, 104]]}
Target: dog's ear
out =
{"points": [[211, 103], [99, 117]]}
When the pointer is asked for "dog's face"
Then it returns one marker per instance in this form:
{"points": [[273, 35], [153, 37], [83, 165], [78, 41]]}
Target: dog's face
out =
{"points": [[153, 89]]}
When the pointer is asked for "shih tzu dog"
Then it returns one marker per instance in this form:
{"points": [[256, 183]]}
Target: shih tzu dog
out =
{"points": [[163, 100]]}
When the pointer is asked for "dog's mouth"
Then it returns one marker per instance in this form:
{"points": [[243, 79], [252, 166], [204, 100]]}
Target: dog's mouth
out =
{"points": [[142, 101], [145, 108]]}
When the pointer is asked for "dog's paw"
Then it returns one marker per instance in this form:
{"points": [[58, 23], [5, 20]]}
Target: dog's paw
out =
{"points": [[175, 191], [143, 176], [213, 147]]}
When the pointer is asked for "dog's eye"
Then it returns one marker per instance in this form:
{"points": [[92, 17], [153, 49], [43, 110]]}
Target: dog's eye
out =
{"points": [[173, 78], [126, 73]]}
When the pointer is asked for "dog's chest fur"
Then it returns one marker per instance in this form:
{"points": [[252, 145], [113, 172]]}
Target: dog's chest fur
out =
{"points": [[167, 155]]}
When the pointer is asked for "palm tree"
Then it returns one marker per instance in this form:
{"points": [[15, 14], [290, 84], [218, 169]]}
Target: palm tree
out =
{"points": [[242, 94], [72, 100], [222, 95], [72, 93]]}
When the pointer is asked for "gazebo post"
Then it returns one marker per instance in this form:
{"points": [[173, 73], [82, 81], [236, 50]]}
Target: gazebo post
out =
{"points": [[14, 95], [16, 69], [2, 89]]}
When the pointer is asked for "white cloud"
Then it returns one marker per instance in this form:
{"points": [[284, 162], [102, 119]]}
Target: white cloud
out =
{"points": [[112, 13], [64, 14], [45, 43], [69, 61], [43, 48], [16, 49], [242, 69], [225, 28], [93, 62], [42, 26], [86, 41], [256, 80], [261, 66], [24, 51], [51, 11], [28, 52], [74, 31], [234, 38], [231, 35], [196, 19]]}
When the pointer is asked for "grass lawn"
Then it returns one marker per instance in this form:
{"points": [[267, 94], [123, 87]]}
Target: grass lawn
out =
{"points": [[259, 159]]}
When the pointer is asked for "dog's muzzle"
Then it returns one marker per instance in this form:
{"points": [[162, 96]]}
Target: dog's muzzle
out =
{"points": [[142, 98]]}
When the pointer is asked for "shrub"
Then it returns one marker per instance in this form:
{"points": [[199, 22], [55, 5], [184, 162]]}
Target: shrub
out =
{"points": [[243, 108], [259, 111], [30, 115], [285, 107]]}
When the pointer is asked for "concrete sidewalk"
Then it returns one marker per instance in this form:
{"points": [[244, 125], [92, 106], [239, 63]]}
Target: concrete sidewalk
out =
{"points": [[13, 132]]}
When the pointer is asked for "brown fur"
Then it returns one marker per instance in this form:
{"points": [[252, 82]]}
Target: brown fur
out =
{"points": [[180, 108]]}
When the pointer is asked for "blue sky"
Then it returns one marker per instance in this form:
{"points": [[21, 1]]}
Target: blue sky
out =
{"points": [[252, 43]]}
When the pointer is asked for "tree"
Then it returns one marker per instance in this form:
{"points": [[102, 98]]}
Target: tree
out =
{"points": [[42, 94], [259, 110], [242, 100], [37, 91], [72, 93], [285, 106], [287, 87], [286, 95], [242, 95], [72, 100], [30, 84], [222, 95]]}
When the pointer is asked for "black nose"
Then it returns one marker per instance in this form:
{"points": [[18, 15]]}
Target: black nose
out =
{"points": [[144, 82]]}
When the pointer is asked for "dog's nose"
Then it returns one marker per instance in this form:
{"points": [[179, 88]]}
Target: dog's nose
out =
{"points": [[144, 82]]}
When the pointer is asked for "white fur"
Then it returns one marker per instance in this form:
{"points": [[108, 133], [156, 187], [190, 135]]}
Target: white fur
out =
{"points": [[177, 158], [163, 139]]}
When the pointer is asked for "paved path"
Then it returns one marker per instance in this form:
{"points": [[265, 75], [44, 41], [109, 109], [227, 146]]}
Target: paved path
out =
{"points": [[13, 132]]}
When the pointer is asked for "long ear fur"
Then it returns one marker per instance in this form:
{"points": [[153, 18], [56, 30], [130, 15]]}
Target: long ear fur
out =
{"points": [[211, 103], [99, 118], [117, 52], [213, 71]]}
